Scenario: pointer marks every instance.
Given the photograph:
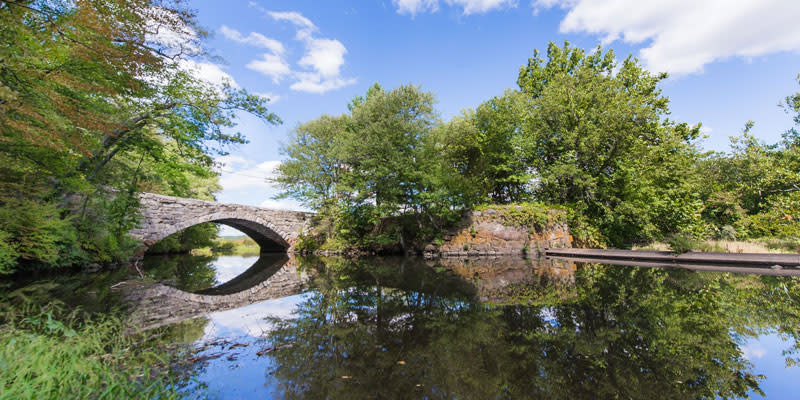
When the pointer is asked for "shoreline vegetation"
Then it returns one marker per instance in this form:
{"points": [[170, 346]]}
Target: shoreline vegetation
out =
{"points": [[582, 133], [83, 132]]}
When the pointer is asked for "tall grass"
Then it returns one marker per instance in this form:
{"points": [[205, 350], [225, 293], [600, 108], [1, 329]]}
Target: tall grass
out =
{"points": [[43, 356], [734, 246]]}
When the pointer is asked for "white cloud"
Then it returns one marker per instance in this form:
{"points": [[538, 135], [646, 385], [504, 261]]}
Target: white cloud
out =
{"points": [[295, 18], [271, 65], [682, 36], [283, 204], [753, 351], [481, 6], [325, 56], [247, 182], [211, 73], [412, 7], [166, 32], [320, 64], [273, 98], [315, 83], [253, 39], [237, 173]]}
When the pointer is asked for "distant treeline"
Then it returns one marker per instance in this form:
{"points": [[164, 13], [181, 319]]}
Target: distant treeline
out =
{"points": [[581, 131]]}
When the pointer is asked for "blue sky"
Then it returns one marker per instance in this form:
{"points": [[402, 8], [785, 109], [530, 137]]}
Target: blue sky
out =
{"points": [[730, 62]]}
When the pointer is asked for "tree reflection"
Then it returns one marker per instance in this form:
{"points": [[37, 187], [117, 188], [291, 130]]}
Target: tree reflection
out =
{"points": [[410, 331], [186, 272]]}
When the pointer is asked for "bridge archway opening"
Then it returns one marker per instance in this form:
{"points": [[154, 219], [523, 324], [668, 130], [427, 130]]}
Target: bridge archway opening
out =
{"points": [[268, 239]]}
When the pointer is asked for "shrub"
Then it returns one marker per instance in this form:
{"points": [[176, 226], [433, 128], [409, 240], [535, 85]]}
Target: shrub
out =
{"points": [[727, 232], [682, 243], [781, 218]]}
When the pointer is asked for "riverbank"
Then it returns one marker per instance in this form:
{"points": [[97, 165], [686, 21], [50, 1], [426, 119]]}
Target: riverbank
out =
{"points": [[766, 245], [521, 229]]}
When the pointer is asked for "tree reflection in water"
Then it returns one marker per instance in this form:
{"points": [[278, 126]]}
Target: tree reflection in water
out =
{"points": [[185, 271], [374, 329]]}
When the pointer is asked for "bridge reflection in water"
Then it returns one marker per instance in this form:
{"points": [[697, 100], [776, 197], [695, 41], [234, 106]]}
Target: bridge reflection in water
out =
{"points": [[478, 328], [276, 275]]}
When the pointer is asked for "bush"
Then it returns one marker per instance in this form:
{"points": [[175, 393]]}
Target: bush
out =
{"points": [[682, 243], [781, 218], [36, 235]]}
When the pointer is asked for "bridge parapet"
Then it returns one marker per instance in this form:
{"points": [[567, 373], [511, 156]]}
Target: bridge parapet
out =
{"points": [[273, 230]]}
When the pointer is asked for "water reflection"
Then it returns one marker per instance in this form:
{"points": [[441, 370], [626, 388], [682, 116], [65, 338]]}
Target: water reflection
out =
{"points": [[495, 328], [195, 273]]}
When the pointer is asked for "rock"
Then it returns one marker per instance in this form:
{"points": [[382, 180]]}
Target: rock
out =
{"points": [[93, 267]]}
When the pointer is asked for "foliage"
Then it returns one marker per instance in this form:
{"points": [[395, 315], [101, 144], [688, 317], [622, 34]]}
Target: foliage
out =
{"points": [[375, 171], [194, 237], [481, 145], [597, 140], [682, 243], [186, 272], [616, 332], [536, 216], [779, 218], [49, 354], [98, 101]]}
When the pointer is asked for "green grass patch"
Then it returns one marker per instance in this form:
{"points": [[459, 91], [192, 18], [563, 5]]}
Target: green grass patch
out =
{"points": [[43, 356], [537, 216]]}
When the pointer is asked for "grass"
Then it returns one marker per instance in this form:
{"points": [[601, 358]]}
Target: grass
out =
{"points": [[231, 246], [735, 246], [46, 357]]}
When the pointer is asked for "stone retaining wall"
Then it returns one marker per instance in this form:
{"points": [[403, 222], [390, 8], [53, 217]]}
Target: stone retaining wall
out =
{"points": [[487, 233]]}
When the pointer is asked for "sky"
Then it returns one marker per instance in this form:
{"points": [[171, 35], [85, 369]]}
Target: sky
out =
{"points": [[729, 61]]}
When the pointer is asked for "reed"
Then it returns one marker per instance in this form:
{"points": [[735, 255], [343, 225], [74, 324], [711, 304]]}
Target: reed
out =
{"points": [[44, 356]]}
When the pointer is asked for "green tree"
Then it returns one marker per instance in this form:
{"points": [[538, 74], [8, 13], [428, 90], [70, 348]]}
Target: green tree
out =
{"points": [[97, 102], [598, 140], [378, 162], [481, 146]]}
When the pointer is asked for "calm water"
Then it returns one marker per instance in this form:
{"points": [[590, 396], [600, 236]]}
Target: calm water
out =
{"points": [[503, 328]]}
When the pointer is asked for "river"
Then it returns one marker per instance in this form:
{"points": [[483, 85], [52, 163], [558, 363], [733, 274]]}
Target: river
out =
{"points": [[461, 329]]}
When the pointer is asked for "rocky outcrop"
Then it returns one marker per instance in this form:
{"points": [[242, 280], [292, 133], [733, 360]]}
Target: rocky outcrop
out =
{"points": [[512, 230]]}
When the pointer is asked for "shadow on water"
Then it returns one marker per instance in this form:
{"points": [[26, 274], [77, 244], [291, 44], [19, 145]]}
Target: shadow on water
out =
{"points": [[478, 328]]}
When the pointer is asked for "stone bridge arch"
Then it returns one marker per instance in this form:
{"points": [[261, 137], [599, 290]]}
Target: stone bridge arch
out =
{"points": [[273, 230], [152, 305]]}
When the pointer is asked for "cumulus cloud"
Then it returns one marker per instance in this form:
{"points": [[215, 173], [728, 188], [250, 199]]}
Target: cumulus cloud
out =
{"points": [[682, 36], [271, 65], [211, 73], [319, 67], [253, 39], [250, 182], [166, 32], [413, 7]]}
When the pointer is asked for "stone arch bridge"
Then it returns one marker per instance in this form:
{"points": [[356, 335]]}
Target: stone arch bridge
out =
{"points": [[273, 230]]}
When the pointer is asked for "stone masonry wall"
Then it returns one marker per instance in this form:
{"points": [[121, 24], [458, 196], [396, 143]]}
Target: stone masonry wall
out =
{"points": [[154, 304], [165, 215], [487, 233]]}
